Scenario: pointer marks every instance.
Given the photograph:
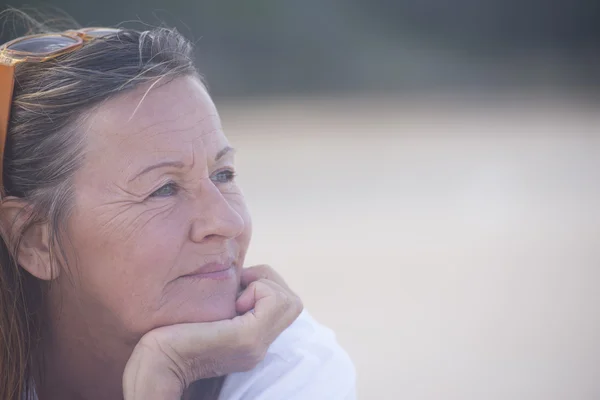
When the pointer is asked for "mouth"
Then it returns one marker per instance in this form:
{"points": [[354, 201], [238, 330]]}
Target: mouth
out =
{"points": [[212, 271]]}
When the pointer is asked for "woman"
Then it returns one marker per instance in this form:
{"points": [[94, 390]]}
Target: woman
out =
{"points": [[124, 235]]}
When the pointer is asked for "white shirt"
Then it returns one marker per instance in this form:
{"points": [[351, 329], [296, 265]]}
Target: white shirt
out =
{"points": [[304, 363]]}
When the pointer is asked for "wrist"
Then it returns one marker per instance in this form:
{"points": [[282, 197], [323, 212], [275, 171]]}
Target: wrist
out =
{"points": [[145, 379]]}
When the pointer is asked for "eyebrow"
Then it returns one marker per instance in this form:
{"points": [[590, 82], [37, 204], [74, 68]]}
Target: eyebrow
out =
{"points": [[179, 164], [224, 151]]}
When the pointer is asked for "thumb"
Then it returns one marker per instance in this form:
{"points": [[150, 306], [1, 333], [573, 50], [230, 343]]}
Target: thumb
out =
{"points": [[248, 298], [259, 297]]}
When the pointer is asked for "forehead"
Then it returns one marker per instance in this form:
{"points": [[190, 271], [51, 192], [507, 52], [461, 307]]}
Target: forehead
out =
{"points": [[155, 122]]}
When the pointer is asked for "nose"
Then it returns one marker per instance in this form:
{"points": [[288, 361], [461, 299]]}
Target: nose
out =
{"points": [[215, 217]]}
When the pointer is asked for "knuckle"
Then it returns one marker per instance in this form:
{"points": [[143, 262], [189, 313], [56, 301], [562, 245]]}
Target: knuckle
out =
{"points": [[297, 304], [264, 271], [263, 285], [280, 301], [267, 271], [263, 267], [284, 300], [262, 281]]}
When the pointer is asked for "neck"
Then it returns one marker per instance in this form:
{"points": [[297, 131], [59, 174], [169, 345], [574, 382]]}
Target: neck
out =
{"points": [[75, 373], [82, 357]]}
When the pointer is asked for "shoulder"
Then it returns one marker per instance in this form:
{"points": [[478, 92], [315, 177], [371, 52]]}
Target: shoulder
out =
{"points": [[305, 362]]}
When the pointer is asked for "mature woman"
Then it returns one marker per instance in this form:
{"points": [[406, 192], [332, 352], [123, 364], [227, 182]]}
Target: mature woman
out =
{"points": [[124, 234]]}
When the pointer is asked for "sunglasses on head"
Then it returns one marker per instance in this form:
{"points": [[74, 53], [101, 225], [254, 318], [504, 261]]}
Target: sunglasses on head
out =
{"points": [[35, 48]]}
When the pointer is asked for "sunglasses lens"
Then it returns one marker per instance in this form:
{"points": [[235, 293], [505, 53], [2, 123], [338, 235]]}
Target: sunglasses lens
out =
{"points": [[43, 44]]}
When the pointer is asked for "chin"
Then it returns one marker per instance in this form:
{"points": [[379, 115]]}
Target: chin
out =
{"points": [[197, 300], [201, 308]]}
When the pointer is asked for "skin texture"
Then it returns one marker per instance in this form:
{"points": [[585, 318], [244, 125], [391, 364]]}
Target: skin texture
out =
{"points": [[197, 216], [132, 238]]}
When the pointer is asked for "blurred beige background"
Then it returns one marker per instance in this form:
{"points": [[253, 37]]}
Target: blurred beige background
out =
{"points": [[453, 243]]}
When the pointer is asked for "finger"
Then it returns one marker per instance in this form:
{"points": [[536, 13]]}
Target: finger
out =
{"points": [[248, 297], [257, 272], [274, 309], [172, 347]]}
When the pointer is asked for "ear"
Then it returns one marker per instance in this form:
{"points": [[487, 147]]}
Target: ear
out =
{"points": [[33, 253]]}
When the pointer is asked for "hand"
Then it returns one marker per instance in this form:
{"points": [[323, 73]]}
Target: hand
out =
{"points": [[168, 359]]}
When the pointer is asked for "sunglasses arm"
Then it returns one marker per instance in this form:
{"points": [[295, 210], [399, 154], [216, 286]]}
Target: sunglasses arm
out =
{"points": [[7, 73]]}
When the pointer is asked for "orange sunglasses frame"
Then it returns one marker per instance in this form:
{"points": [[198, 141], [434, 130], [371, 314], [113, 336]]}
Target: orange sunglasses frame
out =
{"points": [[10, 58]]}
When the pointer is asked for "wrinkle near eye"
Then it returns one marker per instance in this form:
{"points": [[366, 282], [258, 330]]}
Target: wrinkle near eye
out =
{"points": [[138, 197], [137, 225], [127, 225]]}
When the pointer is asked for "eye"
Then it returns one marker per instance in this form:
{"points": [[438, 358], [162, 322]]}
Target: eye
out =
{"points": [[168, 190], [224, 176]]}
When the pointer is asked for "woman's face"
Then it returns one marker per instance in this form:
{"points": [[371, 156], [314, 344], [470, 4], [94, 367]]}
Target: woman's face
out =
{"points": [[159, 229]]}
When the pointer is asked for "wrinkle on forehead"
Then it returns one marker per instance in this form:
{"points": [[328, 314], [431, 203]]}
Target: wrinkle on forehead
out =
{"points": [[177, 122], [159, 130], [182, 99]]}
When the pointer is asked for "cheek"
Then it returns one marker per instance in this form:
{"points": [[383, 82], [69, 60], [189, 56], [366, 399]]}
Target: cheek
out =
{"points": [[126, 258], [238, 203], [125, 265], [133, 241]]}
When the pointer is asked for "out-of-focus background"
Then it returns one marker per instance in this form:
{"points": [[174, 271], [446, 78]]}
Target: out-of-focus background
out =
{"points": [[426, 174]]}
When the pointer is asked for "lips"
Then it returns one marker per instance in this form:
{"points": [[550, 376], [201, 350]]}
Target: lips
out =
{"points": [[210, 268], [221, 269]]}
